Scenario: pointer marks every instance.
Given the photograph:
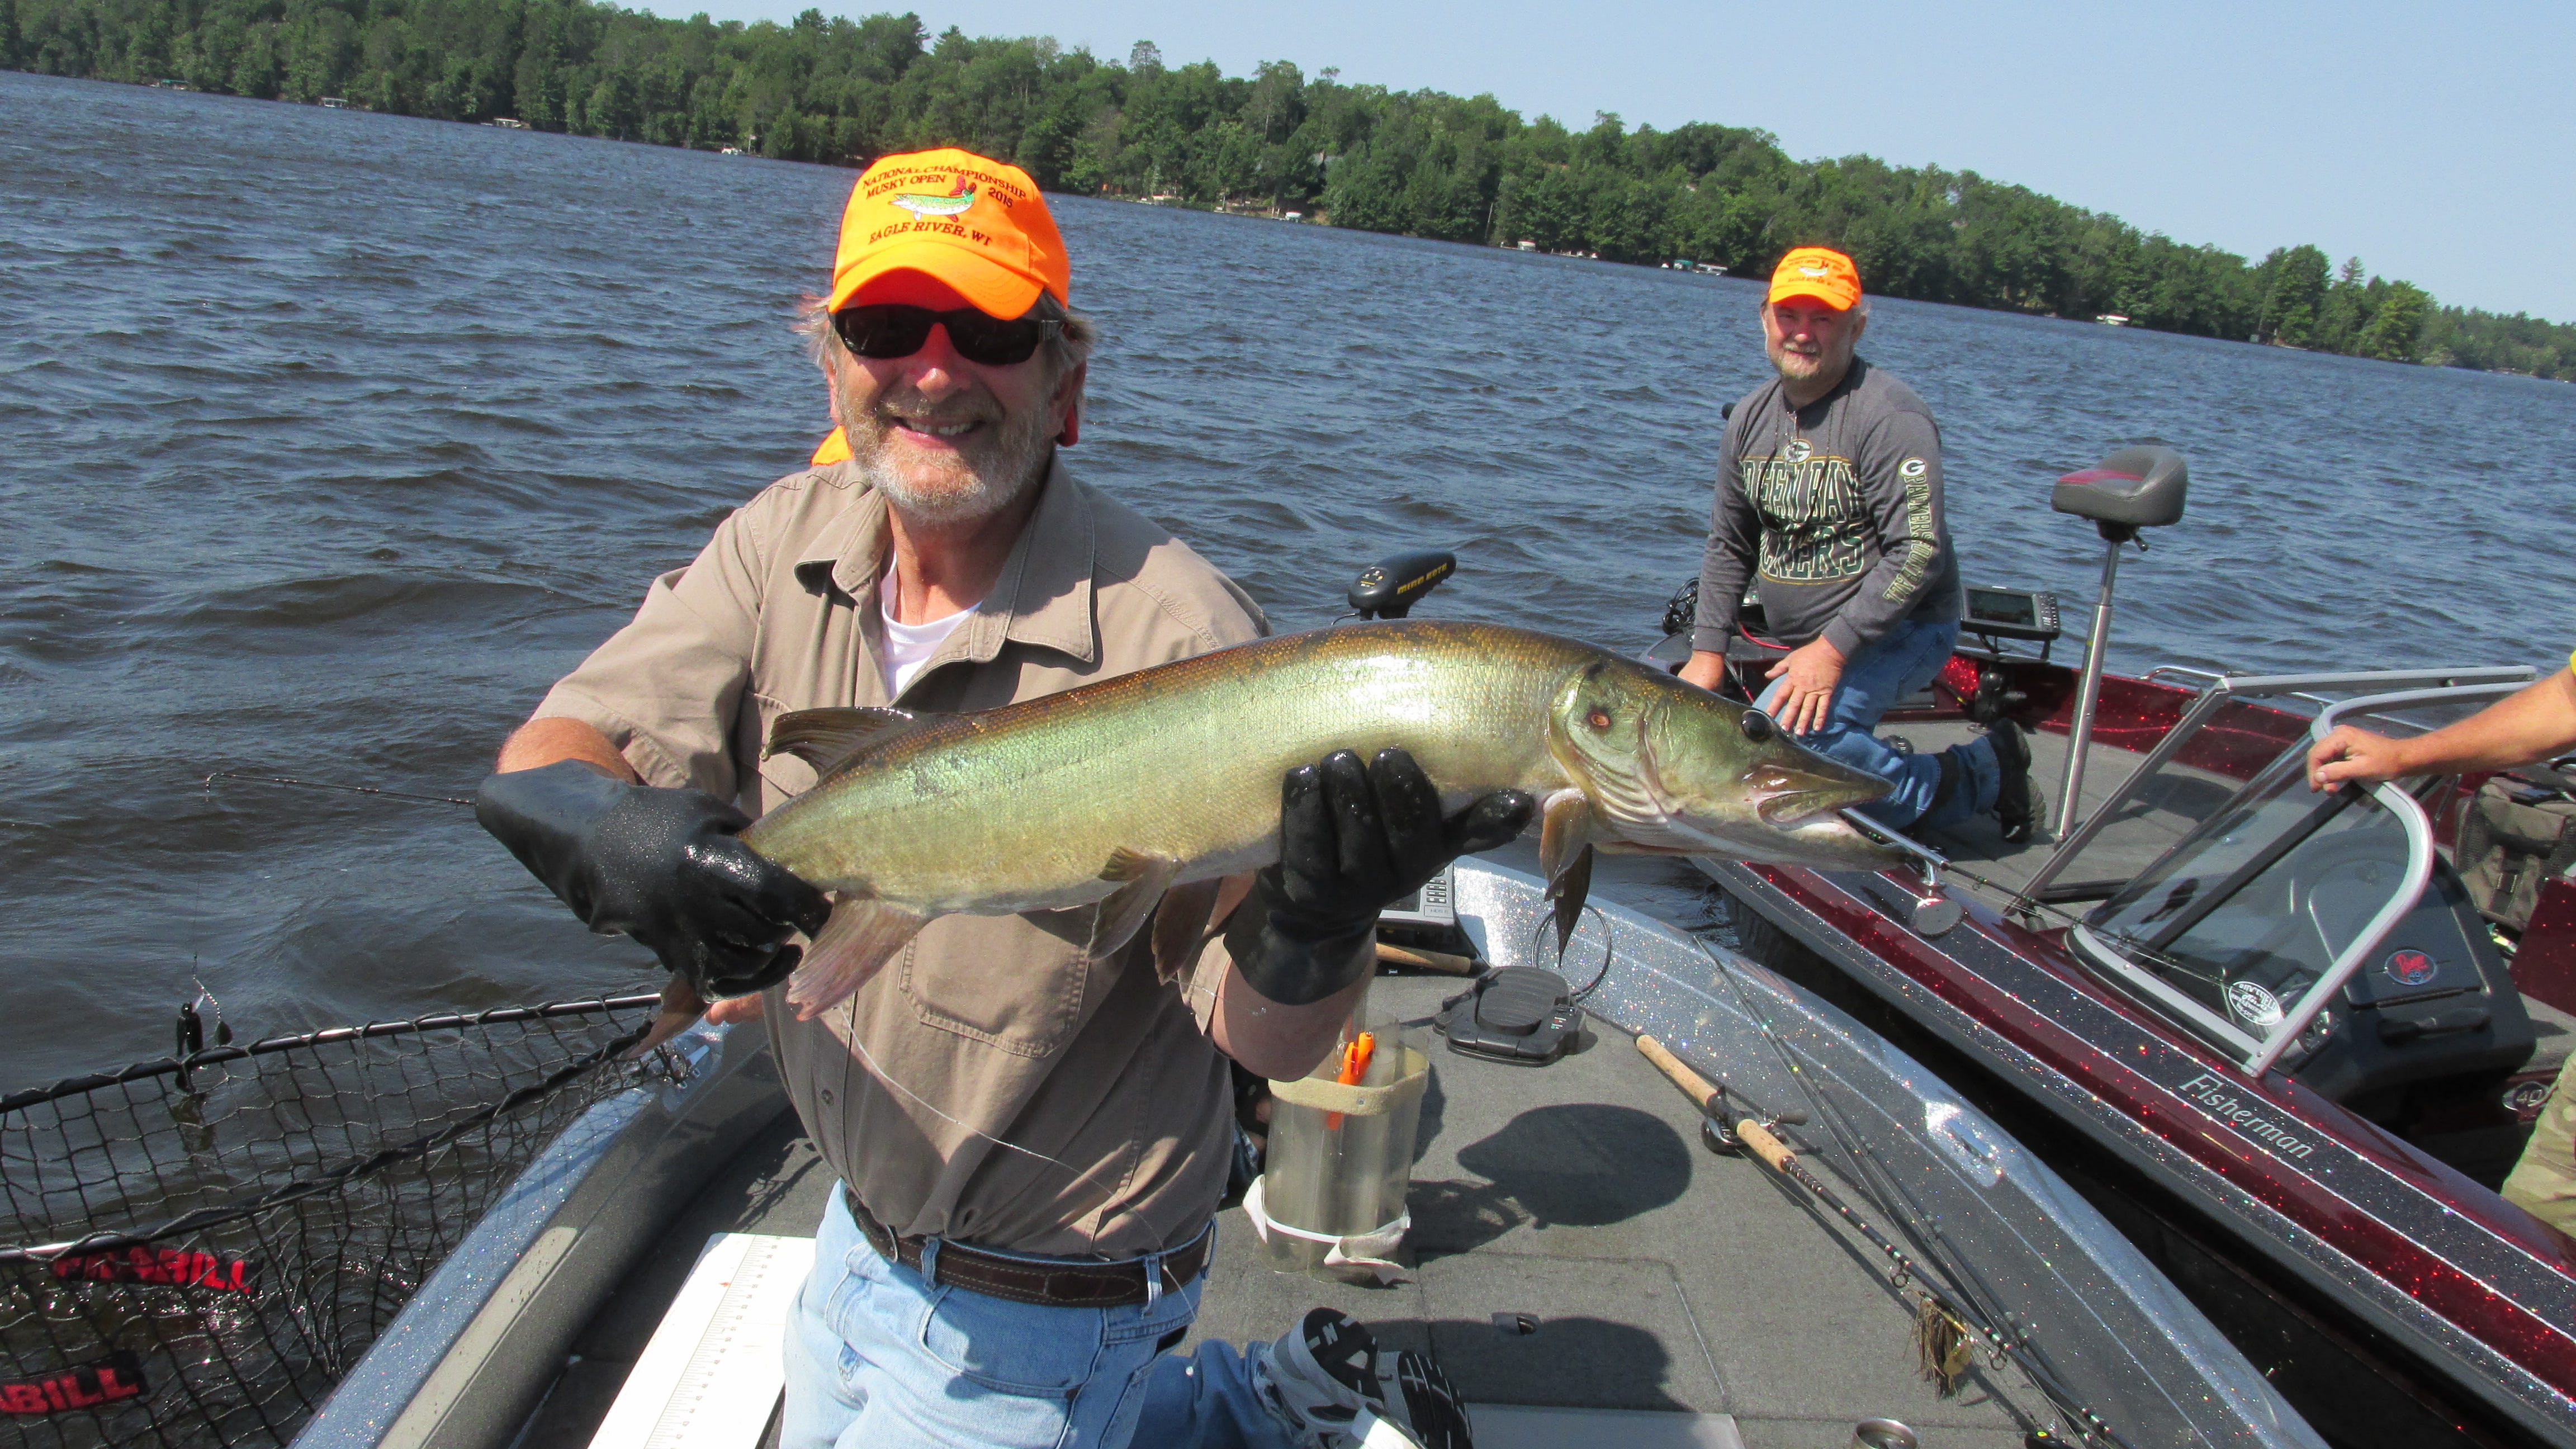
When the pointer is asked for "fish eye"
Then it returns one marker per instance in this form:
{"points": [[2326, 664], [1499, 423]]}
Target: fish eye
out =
{"points": [[1758, 727], [1599, 718]]}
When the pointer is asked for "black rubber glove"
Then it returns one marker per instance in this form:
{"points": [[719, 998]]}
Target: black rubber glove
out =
{"points": [[1353, 840], [662, 866]]}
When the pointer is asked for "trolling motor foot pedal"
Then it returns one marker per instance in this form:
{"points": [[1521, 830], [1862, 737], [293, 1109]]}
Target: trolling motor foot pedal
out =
{"points": [[1519, 1014]]}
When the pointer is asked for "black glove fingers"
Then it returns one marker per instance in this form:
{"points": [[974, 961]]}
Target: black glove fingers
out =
{"points": [[758, 885], [1360, 845], [1306, 841], [1409, 805], [754, 974], [1497, 819]]}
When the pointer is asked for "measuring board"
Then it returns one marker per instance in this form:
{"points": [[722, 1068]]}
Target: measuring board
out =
{"points": [[712, 1374]]}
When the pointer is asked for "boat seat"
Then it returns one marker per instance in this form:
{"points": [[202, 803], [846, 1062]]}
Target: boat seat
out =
{"points": [[2134, 488]]}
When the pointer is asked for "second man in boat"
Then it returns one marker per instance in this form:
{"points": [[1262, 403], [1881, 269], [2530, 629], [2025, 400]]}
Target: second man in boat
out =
{"points": [[1829, 504]]}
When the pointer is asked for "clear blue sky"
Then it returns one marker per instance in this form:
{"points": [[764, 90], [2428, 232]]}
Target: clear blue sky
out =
{"points": [[2437, 143]]}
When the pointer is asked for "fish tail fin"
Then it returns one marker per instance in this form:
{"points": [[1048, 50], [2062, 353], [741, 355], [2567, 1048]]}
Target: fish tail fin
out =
{"points": [[858, 940]]}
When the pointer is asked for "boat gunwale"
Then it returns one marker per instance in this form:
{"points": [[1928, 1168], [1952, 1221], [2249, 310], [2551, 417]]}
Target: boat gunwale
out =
{"points": [[1835, 914]]}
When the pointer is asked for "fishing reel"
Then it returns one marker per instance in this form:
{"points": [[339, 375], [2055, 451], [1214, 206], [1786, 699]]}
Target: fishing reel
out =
{"points": [[1726, 1108]]}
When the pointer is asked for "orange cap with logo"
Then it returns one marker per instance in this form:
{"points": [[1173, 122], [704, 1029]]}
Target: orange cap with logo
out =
{"points": [[975, 226], [1819, 272]]}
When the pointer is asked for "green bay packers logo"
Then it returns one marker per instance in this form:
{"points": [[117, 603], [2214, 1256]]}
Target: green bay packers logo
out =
{"points": [[1798, 451], [958, 199], [1912, 468]]}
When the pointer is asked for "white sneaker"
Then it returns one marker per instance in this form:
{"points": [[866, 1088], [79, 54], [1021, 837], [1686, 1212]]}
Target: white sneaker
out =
{"points": [[1328, 1380]]}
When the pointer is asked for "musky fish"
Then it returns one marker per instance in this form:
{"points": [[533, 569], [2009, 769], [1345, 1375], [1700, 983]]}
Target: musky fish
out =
{"points": [[1151, 787]]}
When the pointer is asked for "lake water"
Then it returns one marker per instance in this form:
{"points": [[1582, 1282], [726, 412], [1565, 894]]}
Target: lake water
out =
{"points": [[328, 440]]}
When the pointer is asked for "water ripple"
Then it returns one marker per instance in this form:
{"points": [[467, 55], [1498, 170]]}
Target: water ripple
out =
{"points": [[331, 439]]}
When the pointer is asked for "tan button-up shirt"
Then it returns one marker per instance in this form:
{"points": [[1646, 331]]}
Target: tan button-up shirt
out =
{"points": [[986, 1085]]}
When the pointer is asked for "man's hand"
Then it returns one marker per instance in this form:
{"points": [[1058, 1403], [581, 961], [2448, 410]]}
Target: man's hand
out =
{"points": [[662, 866], [2357, 755], [1353, 838], [2536, 723], [1812, 670], [681, 1006], [1705, 669]]}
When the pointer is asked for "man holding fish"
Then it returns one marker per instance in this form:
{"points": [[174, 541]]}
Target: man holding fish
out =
{"points": [[1063, 832], [1022, 1112]]}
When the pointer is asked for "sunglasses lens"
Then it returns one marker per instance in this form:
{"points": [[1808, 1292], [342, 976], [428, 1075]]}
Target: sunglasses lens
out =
{"points": [[891, 330], [884, 331], [992, 341]]}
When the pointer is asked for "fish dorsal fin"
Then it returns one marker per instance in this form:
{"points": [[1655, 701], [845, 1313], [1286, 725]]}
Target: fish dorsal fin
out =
{"points": [[829, 739]]}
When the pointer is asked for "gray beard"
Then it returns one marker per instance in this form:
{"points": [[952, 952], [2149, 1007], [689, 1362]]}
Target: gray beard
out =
{"points": [[1016, 464]]}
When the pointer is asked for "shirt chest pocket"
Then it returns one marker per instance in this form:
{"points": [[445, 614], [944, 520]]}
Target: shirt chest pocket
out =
{"points": [[1016, 983], [782, 777]]}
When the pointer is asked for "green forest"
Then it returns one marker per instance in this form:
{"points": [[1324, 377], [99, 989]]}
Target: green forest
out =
{"points": [[1420, 163]]}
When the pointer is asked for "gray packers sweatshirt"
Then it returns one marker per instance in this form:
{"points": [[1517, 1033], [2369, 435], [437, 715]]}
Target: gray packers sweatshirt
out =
{"points": [[1834, 511]]}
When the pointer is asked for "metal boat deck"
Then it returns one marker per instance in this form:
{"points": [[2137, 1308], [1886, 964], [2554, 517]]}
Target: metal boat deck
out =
{"points": [[1665, 1279]]}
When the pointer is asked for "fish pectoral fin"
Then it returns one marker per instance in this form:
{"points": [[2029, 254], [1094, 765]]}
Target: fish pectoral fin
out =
{"points": [[861, 936], [1564, 827], [1565, 858], [1568, 889], [1119, 917], [829, 739], [1180, 925]]}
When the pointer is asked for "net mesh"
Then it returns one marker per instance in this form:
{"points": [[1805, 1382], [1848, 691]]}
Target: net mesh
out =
{"points": [[196, 1249]]}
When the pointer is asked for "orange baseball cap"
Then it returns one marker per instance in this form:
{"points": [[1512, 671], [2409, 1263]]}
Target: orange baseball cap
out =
{"points": [[971, 225], [1819, 272]]}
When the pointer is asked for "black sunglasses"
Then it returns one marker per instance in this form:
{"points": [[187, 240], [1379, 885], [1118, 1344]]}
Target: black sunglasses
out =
{"points": [[888, 330]]}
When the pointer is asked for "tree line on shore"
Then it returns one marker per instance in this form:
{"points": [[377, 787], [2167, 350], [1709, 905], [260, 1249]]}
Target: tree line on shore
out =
{"points": [[1420, 163]]}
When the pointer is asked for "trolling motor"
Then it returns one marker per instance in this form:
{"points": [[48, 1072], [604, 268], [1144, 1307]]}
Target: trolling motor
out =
{"points": [[2134, 488], [1391, 587]]}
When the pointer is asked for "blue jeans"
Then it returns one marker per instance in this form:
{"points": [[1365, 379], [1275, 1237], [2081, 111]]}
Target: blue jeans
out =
{"points": [[1874, 679], [878, 1359]]}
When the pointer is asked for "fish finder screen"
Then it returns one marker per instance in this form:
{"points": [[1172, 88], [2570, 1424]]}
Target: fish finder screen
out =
{"points": [[2002, 606]]}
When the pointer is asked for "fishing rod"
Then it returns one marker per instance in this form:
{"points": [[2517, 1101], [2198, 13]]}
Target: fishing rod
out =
{"points": [[1968, 1303]]}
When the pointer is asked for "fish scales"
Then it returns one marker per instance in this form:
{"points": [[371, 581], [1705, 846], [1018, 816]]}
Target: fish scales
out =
{"points": [[1115, 792], [1021, 808]]}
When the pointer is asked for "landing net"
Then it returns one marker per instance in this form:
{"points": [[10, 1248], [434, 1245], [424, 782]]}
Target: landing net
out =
{"points": [[194, 1250]]}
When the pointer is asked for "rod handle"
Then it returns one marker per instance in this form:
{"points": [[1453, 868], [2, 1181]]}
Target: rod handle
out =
{"points": [[1420, 960], [1765, 1146], [1693, 1085]]}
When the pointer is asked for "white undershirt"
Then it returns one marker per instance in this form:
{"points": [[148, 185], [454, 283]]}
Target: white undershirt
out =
{"points": [[909, 646]]}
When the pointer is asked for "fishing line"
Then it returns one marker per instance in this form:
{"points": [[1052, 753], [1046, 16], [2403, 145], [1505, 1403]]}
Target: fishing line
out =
{"points": [[1969, 1293], [856, 1045], [880, 1073], [404, 795], [1609, 948]]}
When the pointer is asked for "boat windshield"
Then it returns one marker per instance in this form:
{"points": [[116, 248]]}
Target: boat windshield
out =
{"points": [[2253, 907], [2265, 907]]}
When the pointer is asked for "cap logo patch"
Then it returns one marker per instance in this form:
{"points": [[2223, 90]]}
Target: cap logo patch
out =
{"points": [[1912, 468], [921, 204]]}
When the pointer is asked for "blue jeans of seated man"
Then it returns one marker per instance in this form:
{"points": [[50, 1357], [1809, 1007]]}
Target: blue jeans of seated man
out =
{"points": [[1873, 680], [877, 1359]]}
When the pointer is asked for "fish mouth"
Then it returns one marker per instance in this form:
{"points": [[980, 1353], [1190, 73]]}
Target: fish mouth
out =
{"points": [[1784, 808]]}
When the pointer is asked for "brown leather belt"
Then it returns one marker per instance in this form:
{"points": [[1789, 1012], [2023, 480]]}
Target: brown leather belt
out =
{"points": [[1042, 1281]]}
